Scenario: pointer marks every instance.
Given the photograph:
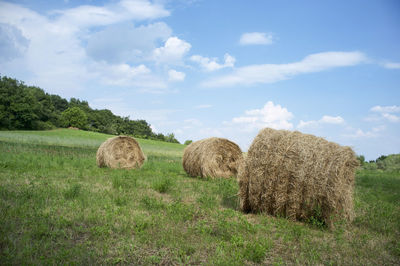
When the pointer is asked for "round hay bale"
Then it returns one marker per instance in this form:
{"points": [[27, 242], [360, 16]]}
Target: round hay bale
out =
{"points": [[297, 176], [212, 157], [120, 152]]}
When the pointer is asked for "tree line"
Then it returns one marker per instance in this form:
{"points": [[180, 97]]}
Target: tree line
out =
{"points": [[389, 163], [25, 107]]}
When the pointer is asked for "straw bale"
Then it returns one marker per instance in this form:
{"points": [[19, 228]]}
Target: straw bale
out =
{"points": [[297, 176], [120, 152], [212, 157]]}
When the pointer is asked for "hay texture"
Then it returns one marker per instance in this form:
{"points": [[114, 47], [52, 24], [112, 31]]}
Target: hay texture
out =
{"points": [[120, 152], [297, 176], [212, 157]]}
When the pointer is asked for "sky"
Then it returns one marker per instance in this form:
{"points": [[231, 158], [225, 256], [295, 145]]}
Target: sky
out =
{"points": [[203, 68]]}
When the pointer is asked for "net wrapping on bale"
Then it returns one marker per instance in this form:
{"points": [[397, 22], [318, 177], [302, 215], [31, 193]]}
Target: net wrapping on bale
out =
{"points": [[295, 175], [120, 152], [212, 157]]}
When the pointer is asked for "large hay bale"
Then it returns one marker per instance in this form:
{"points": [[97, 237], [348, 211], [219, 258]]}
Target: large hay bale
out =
{"points": [[120, 152], [297, 176], [212, 157]]}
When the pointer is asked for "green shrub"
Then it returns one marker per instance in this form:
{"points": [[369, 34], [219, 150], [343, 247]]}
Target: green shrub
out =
{"points": [[187, 142]]}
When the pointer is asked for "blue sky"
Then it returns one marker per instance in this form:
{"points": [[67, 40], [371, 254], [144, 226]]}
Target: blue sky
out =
{"points": [[219, 68]]}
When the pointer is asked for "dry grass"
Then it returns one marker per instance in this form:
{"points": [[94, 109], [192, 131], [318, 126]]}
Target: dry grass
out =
{"points": [[298, 176], [120, 152], [212, 157]]}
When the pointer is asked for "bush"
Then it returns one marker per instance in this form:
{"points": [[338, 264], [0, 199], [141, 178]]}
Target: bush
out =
{"points": [[187, 142], [40, 125]]}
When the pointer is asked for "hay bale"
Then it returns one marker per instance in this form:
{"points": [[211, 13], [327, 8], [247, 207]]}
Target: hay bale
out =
{"points": [[120, 152], [212, 157], [297, 176]]}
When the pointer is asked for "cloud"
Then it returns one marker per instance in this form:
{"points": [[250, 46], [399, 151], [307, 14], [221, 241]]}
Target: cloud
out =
{"points": [[211, 64], [85, 47], [254, 38], [174, 75], [172, 52], [124, 43], [54, 57], [12, 43], [386, 109], [271, 115], [143, 9], [270, 73], [391, 65], [385, 113], [125, 75], [326, 119], [359, 133], [332, 120], [86, 16]]}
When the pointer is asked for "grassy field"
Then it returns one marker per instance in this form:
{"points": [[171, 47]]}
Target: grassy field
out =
{"points": [[58, 207]]}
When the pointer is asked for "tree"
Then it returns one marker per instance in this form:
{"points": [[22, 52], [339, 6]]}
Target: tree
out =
{"points": [[74, 117], [171, 138], [380, 162], [187, 142], [361, 159], [18, 107]]}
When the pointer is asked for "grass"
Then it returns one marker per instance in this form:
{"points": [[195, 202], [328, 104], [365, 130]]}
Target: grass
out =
{"points": [[58, 207]]}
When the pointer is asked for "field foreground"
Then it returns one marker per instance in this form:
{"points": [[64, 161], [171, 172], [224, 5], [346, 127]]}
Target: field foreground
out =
{"points": [[58, 207]]}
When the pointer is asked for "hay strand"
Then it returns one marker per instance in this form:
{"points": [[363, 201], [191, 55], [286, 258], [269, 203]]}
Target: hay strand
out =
{"points": [[120, 152], [212, 157]]}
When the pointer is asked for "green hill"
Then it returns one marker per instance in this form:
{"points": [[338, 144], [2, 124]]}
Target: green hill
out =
{"points": [[58, 207]]}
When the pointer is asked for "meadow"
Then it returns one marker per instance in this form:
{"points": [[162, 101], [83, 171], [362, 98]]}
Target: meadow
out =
{"points": [[58, 207]]}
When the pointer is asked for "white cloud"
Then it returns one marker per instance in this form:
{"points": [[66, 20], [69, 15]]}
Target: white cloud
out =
{"points": [[270, 73], [307, 124], [143, 9], [326, 119], [203, 106], [391, 65], [12, 43], [253, 38], [385, 113], [386, 109], [88, 15], [271, 115], [332, 120], [174, 75], [211, 64], [391, 118], [123, 42], [126, 75], [84, 47], [172, 52], [359, 133]]}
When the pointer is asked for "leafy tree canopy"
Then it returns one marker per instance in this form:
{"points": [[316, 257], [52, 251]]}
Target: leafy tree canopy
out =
{"points": [[74, 117]]}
